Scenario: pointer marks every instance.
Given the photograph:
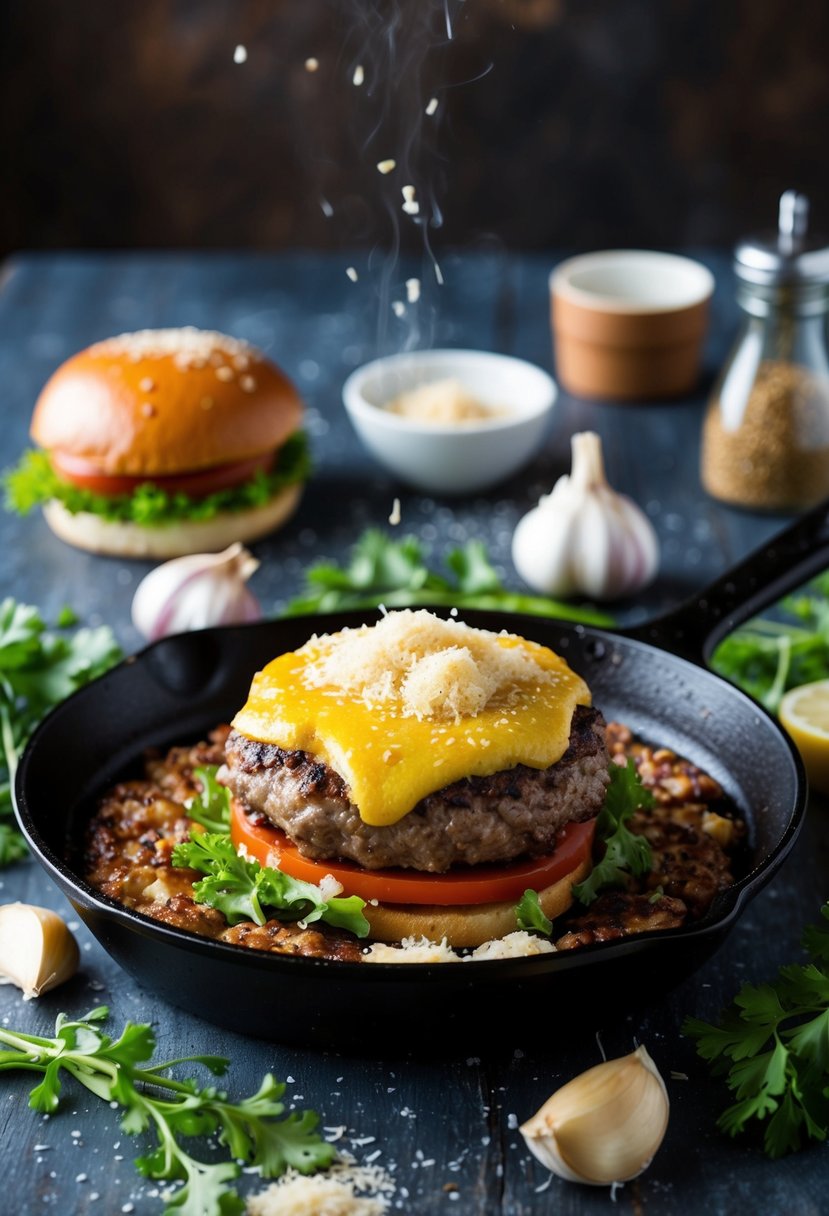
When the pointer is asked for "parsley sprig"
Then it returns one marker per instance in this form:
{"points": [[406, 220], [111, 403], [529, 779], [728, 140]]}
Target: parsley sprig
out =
{"points": [[625, 852], [394, 573], [772, 1045], [38, 669], [250, 1130], [772, 654], [242, 889]]}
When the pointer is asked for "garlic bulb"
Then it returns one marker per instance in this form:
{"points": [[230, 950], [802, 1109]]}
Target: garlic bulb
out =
{"points": [[195, 592], [37, 951], [605, 1125], [583, 537]]}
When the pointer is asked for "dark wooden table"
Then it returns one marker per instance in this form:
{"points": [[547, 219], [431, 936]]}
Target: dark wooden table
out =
{"points": [[436, 1124]]}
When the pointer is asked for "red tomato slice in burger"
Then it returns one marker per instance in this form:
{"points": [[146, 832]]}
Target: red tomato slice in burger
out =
{"points": [[477, 885], [198, 484]]}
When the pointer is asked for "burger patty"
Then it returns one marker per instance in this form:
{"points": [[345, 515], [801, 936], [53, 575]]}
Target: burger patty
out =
{"points": [[514, 813]]}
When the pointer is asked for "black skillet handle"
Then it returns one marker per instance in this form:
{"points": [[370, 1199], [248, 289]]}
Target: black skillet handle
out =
{"points": [[694, 629]]}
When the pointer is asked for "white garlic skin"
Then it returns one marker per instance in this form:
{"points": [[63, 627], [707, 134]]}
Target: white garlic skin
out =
{"points": [[584, 538], [605, 1125], [37, 950], [195, 592]]}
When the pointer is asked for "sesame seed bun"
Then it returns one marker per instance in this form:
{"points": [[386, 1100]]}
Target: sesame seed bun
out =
{"points": [[160, 402], [468, 924]]}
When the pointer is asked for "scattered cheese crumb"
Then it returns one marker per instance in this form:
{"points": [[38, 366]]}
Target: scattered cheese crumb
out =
{"points": [[352, 274], [346, 1189], [413, 290], [395, 517], [410, 205], [398, 308], [386, 166], [359, 75], [421, 950], [240, 54], [311, 64], [432, 106]]}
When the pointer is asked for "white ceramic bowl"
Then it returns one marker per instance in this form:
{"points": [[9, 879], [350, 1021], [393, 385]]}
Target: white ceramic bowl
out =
{"points": [[451, 459]]}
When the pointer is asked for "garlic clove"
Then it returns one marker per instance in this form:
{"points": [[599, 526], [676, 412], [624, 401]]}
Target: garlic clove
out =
{"points": [[195, 592], [37, 950], [605, 1125], [584, 537]]}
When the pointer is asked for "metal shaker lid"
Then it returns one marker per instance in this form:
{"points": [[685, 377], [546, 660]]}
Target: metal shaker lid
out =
{"points": [[792, 255]]}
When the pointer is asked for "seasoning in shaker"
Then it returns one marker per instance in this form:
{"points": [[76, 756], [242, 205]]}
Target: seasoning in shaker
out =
{"points": [[765, 440]]}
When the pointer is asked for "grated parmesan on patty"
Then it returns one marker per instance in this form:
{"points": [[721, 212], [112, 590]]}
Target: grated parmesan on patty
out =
{"points": [[425, 666]]}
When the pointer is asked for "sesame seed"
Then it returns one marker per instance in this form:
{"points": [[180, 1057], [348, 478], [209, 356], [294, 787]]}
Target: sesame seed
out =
{"points": [[207, 403], [148, 409], [81, 1177], [394, 518], [224, 373], [326, 208], [240, 54], [359, 75], [413, 290], [352, 274], [241, 362], [432, 106], [248, 384], [311, 64], [146, 384], [386, 166], [398, 308]]}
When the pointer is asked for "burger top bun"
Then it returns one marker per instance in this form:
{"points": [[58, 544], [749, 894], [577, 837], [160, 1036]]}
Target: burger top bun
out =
{"points": [[164, 401]]}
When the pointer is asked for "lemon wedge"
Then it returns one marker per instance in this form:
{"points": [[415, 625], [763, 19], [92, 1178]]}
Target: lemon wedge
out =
{"points": [[804, 712]]}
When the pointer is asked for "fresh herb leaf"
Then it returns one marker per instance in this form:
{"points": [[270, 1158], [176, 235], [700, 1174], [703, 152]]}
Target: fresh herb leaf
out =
{"points": [[255, 1130], [394, 573], [625, 852], [211, 806], [37, 670], [33, 482], [530, 916], [770, 655], [772, 1046], [242, 889]]}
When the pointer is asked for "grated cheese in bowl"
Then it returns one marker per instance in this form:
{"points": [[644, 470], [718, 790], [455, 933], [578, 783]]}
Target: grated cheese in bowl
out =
{"points": [[445, 402]]}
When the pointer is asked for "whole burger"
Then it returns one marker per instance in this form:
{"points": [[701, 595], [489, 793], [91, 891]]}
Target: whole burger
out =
{"points": [[436, 770], [164, 442]]}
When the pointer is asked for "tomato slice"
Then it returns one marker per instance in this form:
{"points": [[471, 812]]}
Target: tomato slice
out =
{"points": [[476, 885], [197, 484]]}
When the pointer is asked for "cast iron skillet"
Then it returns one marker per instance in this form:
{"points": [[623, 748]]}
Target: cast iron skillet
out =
{"points": [[652, 678]]}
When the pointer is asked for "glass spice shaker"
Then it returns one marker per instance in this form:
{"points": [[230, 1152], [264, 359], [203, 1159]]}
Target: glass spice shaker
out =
{"points": [[765, 438]]}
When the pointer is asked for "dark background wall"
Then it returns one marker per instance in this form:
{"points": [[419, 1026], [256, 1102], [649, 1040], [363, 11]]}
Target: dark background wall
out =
{"points": [[644, 122]]}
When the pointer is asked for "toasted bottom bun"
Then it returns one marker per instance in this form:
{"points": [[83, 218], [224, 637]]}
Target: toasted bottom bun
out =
{"points": [[118, 539], [466, 924]]}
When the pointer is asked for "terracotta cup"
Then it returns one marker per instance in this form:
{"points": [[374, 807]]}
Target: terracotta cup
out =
{"points": [[629, 324]]}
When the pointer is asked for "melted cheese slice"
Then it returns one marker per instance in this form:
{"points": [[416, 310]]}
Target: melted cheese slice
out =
{"points": [[389, 761]]}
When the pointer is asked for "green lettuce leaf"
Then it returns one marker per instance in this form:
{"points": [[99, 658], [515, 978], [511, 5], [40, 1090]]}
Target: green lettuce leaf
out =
{"points": [[33, 482]]}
